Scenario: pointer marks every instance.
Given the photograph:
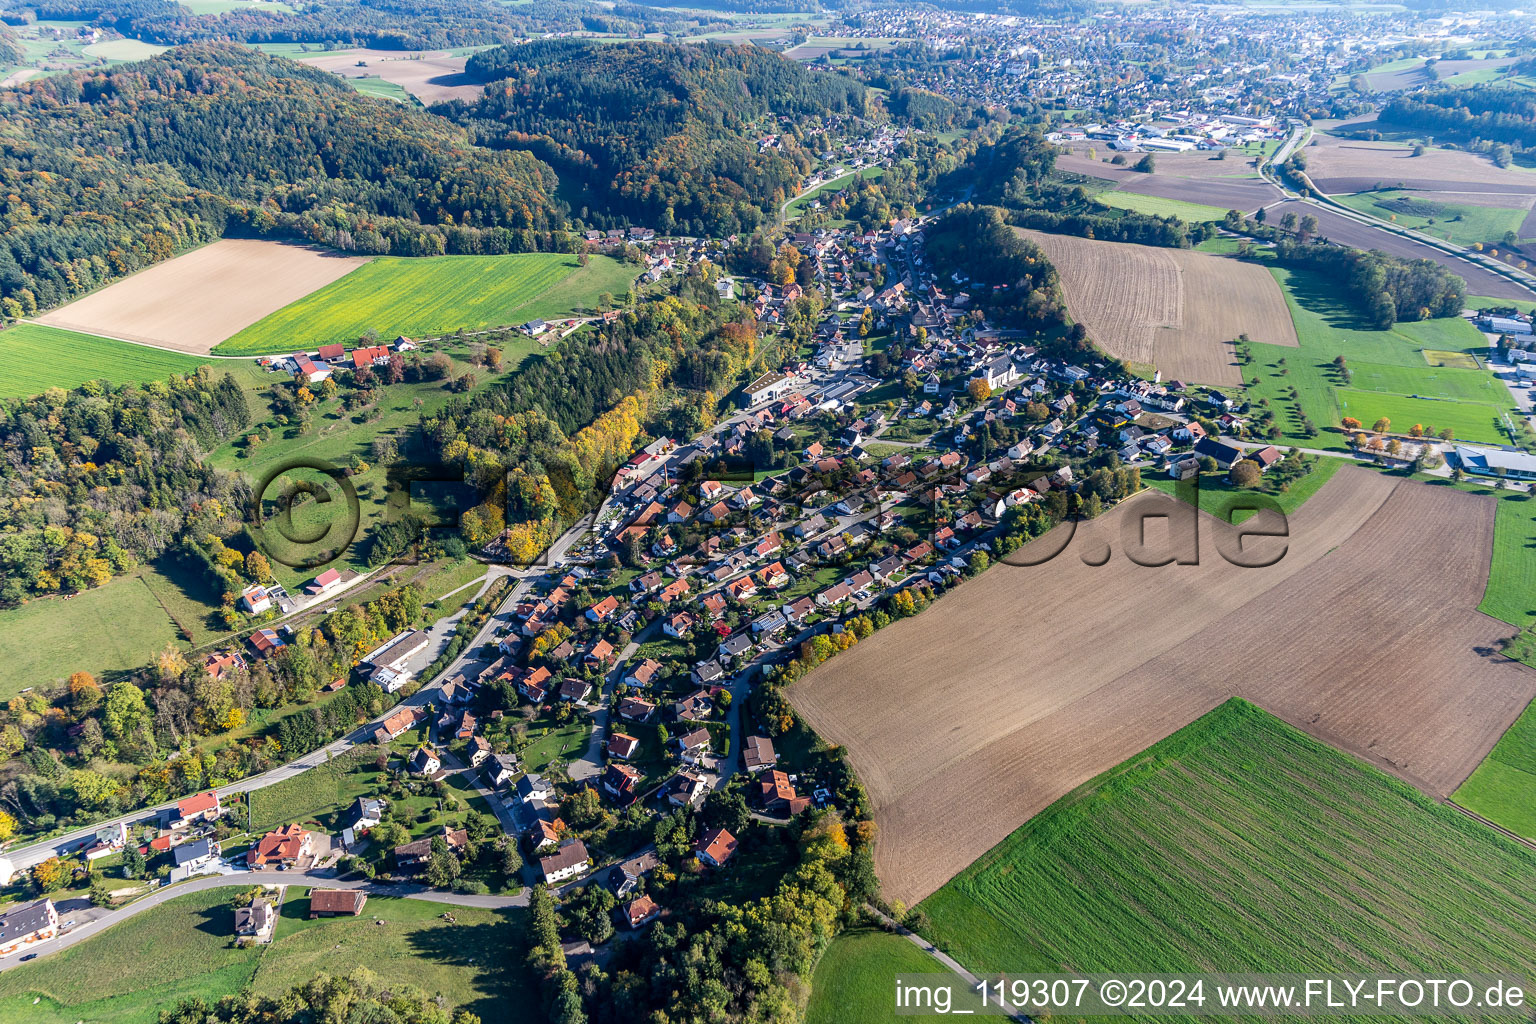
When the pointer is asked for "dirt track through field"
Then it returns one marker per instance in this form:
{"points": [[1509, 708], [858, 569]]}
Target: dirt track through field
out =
{"points": [[195, 301], [1027, 682], [1172, 308]]}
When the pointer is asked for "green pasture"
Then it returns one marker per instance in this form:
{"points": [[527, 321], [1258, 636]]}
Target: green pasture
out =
{"points": [[429, 296]]}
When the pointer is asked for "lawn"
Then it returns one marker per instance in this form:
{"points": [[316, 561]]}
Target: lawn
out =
{"points": [[110, 629], [1158, 206], [560, 743], [1218, 497], [1241, 844], [469, 961], [336, 435], [110, 979], [854, 982], [1511, 592], [1386, 367], [34, 358], [323, 790], [432, 296], [1462, 360], [1471, 421], [1485, 302], [831, 188]]}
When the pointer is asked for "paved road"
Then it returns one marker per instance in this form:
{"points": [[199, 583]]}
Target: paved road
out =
{"points": [[244, 879]]}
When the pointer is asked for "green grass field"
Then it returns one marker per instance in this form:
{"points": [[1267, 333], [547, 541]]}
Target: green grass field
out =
{"points": [[321, 791], [831, 188], [1462, 223], [433, 296], [1218, 497], [373, 85], [1387, 367], [1471, 421], [110, 629], [123, 50], [1241, 844], [110, 979], [854, 982], [1485, 302], [1511, 591], [1157, 206], [466, 961], [34, 358], [1503, 788]]}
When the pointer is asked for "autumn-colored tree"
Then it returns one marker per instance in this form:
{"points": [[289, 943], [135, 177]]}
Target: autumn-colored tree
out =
{"points": [[50, 875], [258, 568], [84, 693], [1246, 473], [1350, 423], [1382, 425], [1417, 430], [979, 389], [7, 826]]}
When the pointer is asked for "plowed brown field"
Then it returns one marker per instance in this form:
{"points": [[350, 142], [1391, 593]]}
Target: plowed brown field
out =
{"points": [[1027, 682], [1172, 308], [193, 302]]}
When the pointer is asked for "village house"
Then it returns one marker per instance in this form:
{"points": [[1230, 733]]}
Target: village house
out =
{"points": [[284, 848], [641, 912], [336, 902], [777, 797], [716, 847], [683, 789], [255, 921], [397, 724], [195, 858], [621, 782], [27, 925], [757, 754], [622, 746], [425, 761], [415, 855], [691, 747], [568, 861]]}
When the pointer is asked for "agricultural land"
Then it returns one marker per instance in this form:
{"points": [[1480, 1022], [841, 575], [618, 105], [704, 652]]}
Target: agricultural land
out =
{"points": [[1174, 309], [435, 295], [34, 358], [1047, 696], [430, 76], [1239, 844], [193, 302]]}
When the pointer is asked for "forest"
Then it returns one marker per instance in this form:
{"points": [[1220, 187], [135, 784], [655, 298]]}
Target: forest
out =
{"points": [[111, 172], [102, 479], [1018, 286], [1483, 113], [661, 134], [1385, 288], [381, 24]]}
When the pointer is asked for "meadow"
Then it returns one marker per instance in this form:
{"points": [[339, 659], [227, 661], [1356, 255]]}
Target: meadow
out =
{"points": [[35, 357], [1238, 843], [109, 979], [1386, 367], [802, 204], [427, 296], [854, 981], [1503, 788], [111, 629], [1471, 421], [1462, 223], [1158, 206], [1511, 593], [465, 961]]}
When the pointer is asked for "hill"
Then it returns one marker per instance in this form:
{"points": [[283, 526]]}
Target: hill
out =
{"points": [[660, 133], [136, 164]]}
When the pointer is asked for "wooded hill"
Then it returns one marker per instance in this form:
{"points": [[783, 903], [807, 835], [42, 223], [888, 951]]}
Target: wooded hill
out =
{"points": [[384, 24], [111, 172], [659, 133]]}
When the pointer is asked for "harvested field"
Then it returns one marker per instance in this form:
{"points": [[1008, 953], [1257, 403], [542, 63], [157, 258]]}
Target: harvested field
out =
{"points": [[195, 301], [1415, 75], [1175, 309], [432, 76], [1363, 634], [1351, 165]]}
